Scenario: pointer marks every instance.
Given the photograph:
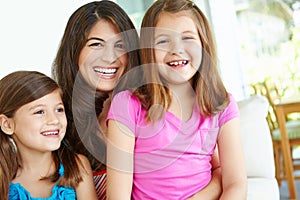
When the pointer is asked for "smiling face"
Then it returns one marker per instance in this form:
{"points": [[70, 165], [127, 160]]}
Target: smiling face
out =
{"points": [[178, 49], [40, 125], [103, 59]]}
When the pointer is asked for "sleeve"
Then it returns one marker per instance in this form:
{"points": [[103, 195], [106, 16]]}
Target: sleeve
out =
{"points": [[124, 108], [230, 112]]}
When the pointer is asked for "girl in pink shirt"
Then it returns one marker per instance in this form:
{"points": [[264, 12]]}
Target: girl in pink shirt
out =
{"points": [[162, 135]]}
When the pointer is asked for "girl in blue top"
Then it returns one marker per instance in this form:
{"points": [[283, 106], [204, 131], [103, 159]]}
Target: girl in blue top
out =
{"points": [[34, 161]]}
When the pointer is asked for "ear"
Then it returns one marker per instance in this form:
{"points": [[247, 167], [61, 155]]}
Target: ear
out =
{"points": [[6, 124]]}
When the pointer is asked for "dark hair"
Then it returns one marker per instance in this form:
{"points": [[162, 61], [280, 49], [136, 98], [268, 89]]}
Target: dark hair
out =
{"points": [[84, 104], [211, 94], [17, 89]]}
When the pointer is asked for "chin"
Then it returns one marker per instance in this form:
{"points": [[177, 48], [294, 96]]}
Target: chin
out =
{"points": [[55, 147], [106, 88]]}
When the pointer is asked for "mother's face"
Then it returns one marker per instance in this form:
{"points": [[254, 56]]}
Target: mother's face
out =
{"points": [[103, 59]]}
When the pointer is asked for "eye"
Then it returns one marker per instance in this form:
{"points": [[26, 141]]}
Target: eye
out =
{"points": [[60, 110], [162, 41], [188, 38], [120, 45], [39, 112], [96, 45]]}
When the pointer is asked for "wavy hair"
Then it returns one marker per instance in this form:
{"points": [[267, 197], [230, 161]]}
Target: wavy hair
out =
{"points": [[83, 103]]}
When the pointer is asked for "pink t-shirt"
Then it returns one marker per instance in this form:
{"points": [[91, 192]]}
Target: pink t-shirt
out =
{"points": [[172, 157]]}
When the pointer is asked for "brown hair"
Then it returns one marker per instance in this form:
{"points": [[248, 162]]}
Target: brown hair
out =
{"points": [[17, 89], [84, 104], [211, 94]]}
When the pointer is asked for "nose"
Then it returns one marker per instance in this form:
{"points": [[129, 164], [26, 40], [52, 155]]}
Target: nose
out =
{"points": [[177, 47], [109, 54], [52, 118]]}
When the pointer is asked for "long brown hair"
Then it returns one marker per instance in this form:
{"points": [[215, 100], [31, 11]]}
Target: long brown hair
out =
{"points": [[83, 103], [211, 94], [17, 89]]}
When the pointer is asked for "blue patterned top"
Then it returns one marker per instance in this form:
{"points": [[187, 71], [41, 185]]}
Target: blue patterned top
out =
{"points": [[18, 192]]}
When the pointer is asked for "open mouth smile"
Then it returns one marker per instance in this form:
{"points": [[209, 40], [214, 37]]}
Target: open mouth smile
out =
{"points": [[106, 72], [178, 63], [50, 133]]}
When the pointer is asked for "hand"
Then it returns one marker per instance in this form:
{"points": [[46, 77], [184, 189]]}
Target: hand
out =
{"points": [[213, 190]]}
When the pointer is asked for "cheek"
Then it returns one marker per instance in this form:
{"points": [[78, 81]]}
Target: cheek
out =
{"points": [[159, 55], [83, 64], [81, 58], [195, 51], [64, 122], [124, 60], [24, 125], [194, 48], [84, 56]]}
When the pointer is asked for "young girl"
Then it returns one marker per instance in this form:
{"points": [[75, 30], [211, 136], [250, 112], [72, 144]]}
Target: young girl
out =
{"points": [[161, 136], [34, 163]]}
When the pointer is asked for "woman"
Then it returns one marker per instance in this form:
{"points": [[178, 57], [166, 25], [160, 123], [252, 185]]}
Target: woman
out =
{"points": [[99, 45]]}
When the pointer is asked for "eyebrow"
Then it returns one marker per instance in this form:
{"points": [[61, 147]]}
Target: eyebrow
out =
{"points": [[43, 105], [95, 38], [161, 35], [192, 32], [166, 34], [120, 40], [188, 32], [99, 39]]}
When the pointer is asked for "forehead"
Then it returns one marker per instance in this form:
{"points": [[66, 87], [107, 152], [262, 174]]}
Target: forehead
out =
{"points": [[104, 29], [50, 99], [178, 22]]}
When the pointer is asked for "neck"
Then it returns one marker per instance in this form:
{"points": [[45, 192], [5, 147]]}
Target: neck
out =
{"points": [[182, 91], [36, 161], [34, 168], [183, 99], [103, 115]]}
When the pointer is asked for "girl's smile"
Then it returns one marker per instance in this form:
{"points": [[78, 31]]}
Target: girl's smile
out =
{"points": [[177, 47], [41, 119], [178, 63]]}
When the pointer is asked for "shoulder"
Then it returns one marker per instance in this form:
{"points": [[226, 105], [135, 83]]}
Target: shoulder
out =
{"points": [[232, 103], [83, 159], [84, 164], [124, 95], [16, 191], [230, 112], [86, 188], [124, 103]]}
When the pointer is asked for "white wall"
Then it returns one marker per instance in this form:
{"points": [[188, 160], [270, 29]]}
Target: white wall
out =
{"points": [[31, 31], [224, 24]]}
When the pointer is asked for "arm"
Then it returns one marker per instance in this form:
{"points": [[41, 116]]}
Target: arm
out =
{"points": [[214, 189], [86, 188], [234, 178], [120, 147]]}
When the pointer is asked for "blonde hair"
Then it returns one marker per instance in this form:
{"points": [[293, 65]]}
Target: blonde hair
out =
{"points": [[211, 94]]}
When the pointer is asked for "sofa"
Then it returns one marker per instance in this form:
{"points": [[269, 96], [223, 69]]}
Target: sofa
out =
{"points": [[258, 149]]}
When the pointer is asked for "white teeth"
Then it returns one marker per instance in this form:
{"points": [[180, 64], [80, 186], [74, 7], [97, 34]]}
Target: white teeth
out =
{"points": [[50, 133], [106, 70], [178, 62]]}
